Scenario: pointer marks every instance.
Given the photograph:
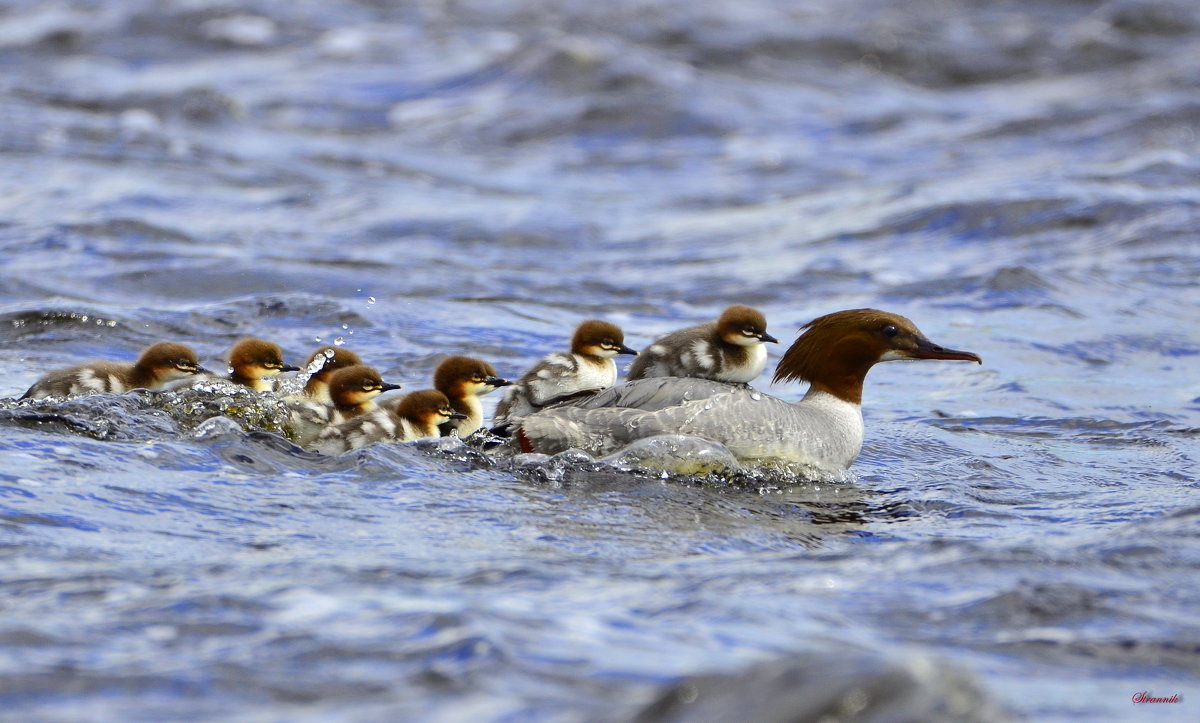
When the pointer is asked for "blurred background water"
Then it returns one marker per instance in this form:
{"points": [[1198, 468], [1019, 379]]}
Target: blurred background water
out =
{"points": [[416, 179]]}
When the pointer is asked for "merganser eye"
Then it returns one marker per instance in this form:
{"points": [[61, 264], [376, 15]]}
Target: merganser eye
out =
{"points": [[890, 331]]}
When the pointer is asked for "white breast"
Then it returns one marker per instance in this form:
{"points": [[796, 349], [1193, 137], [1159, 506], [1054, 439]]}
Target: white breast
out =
{"points": [[748, 371]]}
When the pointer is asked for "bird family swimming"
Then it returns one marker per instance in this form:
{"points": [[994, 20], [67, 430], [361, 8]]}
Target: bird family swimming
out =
{"points": [[691, 382], [588, 367], [823, 430], [727, 350], [157, 365]]}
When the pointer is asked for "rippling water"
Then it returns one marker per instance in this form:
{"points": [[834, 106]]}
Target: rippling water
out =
{"points": [[1017, 540]]}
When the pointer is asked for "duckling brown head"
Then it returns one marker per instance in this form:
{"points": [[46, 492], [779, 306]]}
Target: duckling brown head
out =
{"points": [[743, 326], [253, 360], [323, 362], [426, 410], [598, 338], [460, 376], [167, 361], [355, 388]]}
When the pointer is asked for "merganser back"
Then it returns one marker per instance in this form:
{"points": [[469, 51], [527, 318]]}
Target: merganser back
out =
{"points": [[824, 430], [463, 380], [414, 416], [589, 367], [731, 349], [157, 365], [321, 365], [253, 361]]}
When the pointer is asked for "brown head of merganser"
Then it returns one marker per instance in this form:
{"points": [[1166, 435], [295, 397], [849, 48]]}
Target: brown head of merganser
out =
{"points": [[321, 365], [824, 430], [414, 416], [587, 368], [727, 350], [157, 365], [463, 380], [253, 361]]}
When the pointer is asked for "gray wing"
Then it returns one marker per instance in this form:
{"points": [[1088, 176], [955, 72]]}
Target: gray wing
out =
{"points": [[618, 416], [655, 393]]}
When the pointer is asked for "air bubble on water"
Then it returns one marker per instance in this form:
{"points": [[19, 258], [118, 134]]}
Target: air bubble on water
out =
{"points": [[317, 339], [370, 300], [112, 323], [84, 317], [345, 326], [338, 341]]}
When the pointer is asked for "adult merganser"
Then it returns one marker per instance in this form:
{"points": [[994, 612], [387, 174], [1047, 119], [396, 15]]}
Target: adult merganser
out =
{"points": [[463, 380], [321, 365], [352, 389], [157, 365], [824, 430], [253, 361], [731, 349], [589, 367], [416, 415]]}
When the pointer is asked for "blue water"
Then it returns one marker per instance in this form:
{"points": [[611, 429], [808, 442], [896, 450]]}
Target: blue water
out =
{"points": [[1019, 540]]}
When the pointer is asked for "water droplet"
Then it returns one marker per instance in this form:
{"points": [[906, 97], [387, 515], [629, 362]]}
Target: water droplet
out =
{"points": [[84, 317], [329, 353], [338, 341], [317, 339], [755, 396], [345, 326], [370, 300]]}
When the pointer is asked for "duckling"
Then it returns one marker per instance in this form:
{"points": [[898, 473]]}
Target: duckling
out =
{"points": [[321, 365], [463, 380], [588, 367], [353, 390], [416, 415], [157, 365], [727, 350], [253, 361]]}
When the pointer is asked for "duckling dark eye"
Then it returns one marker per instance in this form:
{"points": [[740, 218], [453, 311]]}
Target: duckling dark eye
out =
{"points": [[890, 331], [749, 332]]}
